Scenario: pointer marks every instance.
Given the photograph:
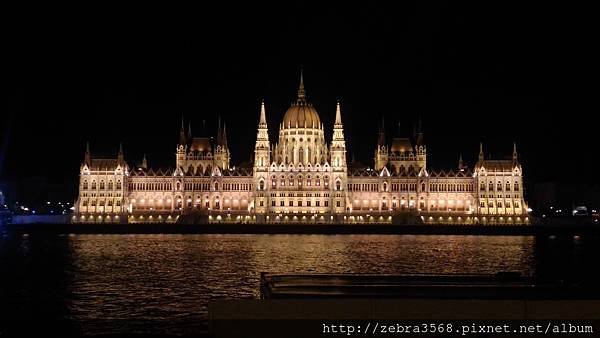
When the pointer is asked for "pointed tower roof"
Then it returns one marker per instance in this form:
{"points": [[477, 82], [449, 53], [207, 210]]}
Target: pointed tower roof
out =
{"points": [[419, 140], [88, 156], [481, 151], [120, 153], [189, 130], [224, 140], [515, 155], [263, 117], [219, 135], [144, 162], [381, 139], [338, 114], [182, 139], [460, 162]]}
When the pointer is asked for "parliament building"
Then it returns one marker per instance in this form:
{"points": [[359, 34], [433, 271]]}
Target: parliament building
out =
{"points": [[300, 178]]}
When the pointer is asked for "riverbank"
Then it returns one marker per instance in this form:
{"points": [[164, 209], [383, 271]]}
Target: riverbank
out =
{"points": [[438, 229]]}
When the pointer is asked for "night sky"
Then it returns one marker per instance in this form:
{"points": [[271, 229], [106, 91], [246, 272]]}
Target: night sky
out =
{"points": [[481, 71]]}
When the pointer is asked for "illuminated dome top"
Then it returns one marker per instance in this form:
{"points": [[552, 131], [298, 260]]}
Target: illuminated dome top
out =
{"points": [[301, 114]]}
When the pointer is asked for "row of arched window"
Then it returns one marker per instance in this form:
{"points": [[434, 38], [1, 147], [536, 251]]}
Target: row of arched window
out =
{"points": [[499, 204], [290, 181], [451, 187], [102, 186], [151, 186], [404, 187], [499, 186], [101, 203]]}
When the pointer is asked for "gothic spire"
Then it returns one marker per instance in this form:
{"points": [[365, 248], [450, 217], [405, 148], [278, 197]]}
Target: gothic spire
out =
{"points": [[381, 139], [88, 155], [120, 154], [515, 156], [144, 162], [189, 130], [480, 151], [338, 114], [263, 117], [301, 92], [460, 162], [182, 132], [420, 131], [224, 141], [219, 137]]}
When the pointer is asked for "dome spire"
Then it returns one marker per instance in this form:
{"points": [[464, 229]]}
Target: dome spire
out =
{"points": [[301, 92]]}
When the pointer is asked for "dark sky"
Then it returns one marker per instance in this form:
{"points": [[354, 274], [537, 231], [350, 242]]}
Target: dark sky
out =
{"points": [[479, 71]]}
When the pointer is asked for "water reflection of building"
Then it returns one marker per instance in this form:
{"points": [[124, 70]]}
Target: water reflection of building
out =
{"points": [[299, 177]]}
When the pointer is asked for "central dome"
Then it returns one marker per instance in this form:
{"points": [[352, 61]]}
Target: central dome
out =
{"points": [[301, 114]]}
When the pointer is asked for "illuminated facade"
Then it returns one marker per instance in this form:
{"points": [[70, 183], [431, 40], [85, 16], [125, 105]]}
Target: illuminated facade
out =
{"points": [[300, 178]]}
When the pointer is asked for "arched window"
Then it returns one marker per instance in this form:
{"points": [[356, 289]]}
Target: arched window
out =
{"points": [[516, 186], [93, 184], [308, 181], [110, 185], [273, 181], [261, 185], [338, 185], [491, 186], [326, 181], [118, 184], [507, 186], [291, 180], [499, 186], [422, 186], [85, 184], [385, 186]]}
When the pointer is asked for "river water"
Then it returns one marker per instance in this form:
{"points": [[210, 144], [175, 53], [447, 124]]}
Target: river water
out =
{"points": [[106, 284]]}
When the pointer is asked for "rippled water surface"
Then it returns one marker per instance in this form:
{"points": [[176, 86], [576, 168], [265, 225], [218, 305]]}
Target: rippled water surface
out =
{"points": [[105, 283]]}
